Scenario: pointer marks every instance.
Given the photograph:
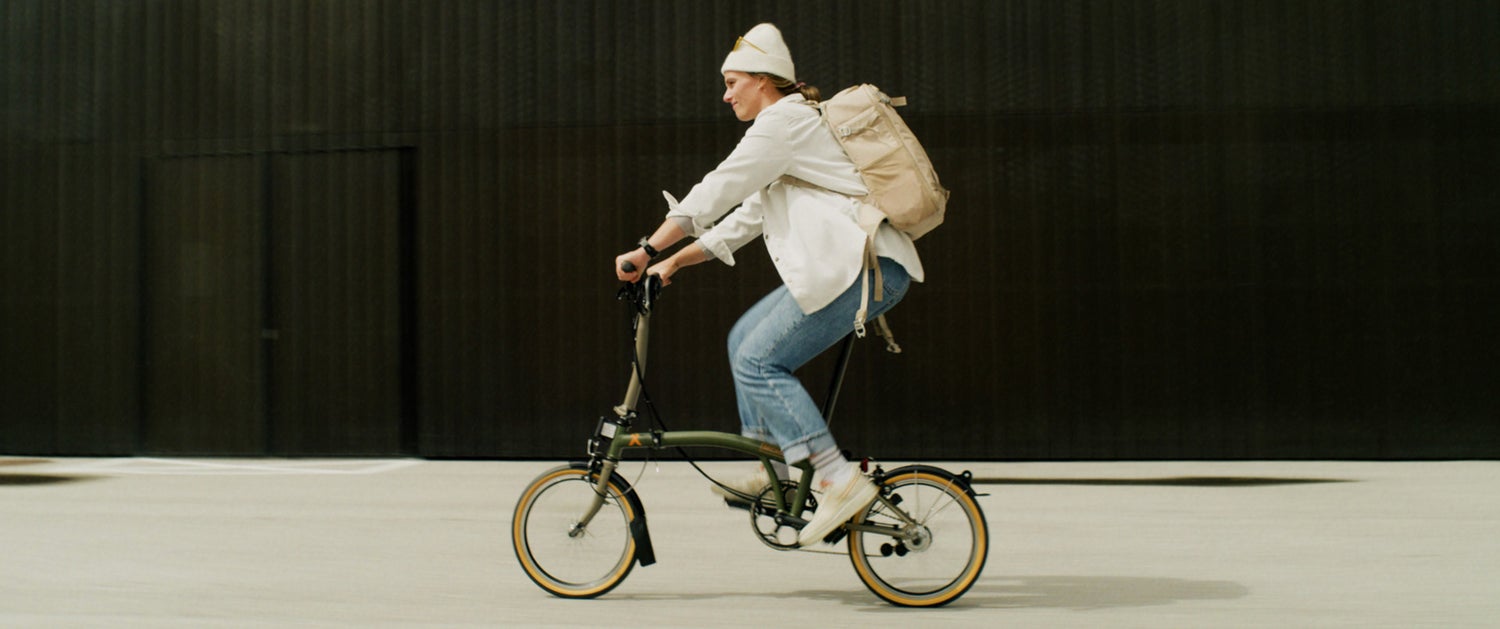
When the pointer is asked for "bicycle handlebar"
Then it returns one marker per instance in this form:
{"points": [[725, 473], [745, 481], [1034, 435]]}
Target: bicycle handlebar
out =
{"points": [[642, 292]]}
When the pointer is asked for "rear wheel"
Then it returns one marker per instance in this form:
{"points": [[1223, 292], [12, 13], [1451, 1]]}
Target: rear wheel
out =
{"points": [[931, 556], [562, 557]]}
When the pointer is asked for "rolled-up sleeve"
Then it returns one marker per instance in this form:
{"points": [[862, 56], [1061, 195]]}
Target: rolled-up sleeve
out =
{"points": [[736, 230], [761, 157]]}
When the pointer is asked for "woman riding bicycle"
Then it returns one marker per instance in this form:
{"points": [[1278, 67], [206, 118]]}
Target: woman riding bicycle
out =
{"points": [[789, 182]]}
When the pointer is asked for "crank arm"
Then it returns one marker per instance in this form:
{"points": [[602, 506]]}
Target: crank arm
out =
{"points": [[878, 529]]}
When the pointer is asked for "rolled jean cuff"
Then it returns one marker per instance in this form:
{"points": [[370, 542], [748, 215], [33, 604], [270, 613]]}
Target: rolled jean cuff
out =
{"points": [[803, 449], [758, 434]]}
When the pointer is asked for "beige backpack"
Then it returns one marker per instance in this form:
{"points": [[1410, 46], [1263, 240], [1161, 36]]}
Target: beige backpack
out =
{"points": [[903, 185], [904, 188]]}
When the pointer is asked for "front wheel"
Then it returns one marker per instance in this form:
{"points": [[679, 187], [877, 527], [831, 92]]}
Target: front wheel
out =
{"points": [[563, 557], [933, 542]]}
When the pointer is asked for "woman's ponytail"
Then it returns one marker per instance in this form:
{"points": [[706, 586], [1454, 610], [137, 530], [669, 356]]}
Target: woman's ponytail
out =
{"points": [[787, 88], [810, 92]]}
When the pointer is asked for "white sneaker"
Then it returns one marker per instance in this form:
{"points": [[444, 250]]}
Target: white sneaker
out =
{"points": [[839, 504], [750, 484]]}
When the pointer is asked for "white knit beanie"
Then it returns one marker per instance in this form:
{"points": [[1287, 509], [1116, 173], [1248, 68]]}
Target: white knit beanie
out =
{"points": [[761, 50]]}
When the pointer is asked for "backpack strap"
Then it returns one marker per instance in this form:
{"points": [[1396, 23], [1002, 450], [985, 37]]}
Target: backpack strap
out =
{"points": [[870, 263], [882, 326]]}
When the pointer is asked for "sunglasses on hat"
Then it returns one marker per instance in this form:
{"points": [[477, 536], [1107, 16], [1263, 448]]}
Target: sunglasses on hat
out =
{"points": [[742, 40]]}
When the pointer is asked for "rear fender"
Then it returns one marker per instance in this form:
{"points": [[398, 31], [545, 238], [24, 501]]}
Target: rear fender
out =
{"points": [[962, 480]]}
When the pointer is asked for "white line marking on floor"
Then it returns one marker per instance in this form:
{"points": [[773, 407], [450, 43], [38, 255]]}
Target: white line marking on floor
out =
{"points": [[205, 467]]}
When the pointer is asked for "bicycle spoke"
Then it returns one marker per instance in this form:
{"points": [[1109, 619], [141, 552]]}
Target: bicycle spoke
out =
{"points": [[935, 510], [563, 556], [930, 560]]}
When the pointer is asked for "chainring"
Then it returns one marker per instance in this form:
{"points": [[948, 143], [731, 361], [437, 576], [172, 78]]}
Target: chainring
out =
{"points": [[763, 516]]}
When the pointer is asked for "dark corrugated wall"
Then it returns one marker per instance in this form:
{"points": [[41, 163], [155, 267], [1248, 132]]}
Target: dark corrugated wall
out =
{"points": [[1180, 229]]}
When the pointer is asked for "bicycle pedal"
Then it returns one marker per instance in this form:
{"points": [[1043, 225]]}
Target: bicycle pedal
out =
{"points": [[737, 504], [783, 519], [836, 536]]}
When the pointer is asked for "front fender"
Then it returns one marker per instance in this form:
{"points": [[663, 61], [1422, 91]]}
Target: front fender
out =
{"points": [[644, 554]]}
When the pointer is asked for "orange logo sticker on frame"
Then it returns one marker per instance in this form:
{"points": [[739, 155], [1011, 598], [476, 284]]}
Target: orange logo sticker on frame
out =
{"points": [[635, 439]]}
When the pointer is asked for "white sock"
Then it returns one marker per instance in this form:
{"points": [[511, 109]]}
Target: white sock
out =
{"points": [[832, 465]]}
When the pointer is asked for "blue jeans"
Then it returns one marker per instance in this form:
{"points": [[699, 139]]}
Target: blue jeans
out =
{"points": [[773, 339]]}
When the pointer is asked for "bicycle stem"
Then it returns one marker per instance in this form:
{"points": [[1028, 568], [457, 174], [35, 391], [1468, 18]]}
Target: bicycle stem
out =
{"points": [[638, 364]]}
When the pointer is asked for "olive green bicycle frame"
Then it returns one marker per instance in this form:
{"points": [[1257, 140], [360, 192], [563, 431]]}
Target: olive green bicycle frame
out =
{"points": [[625, 440], [766, 452], [608, 458]]}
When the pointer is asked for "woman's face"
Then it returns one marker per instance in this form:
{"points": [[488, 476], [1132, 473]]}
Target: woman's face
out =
{"points": [[743, 92]]}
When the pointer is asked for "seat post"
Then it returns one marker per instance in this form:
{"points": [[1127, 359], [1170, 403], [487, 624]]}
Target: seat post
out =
{"points": [[838, 378]]}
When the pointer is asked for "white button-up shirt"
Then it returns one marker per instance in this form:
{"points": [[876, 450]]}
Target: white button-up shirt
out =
{"points": [[813, 232]]}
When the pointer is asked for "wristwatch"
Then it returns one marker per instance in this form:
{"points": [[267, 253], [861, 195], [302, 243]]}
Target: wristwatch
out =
{"points": [[645, 243]]}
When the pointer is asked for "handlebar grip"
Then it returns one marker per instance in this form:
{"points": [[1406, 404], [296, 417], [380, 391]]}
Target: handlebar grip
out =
{"points": [[627, 266]]}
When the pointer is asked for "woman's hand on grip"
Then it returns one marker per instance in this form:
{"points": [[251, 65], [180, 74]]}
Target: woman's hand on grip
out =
{"points": [[664, 270], [637, 259]]}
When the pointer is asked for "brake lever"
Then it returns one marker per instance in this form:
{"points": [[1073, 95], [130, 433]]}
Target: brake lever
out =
{"points": [[643, 292]]}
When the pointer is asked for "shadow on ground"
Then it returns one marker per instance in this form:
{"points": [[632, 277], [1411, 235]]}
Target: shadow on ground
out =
{"points": [[22, 479], [12, 480], [1180, 481], [1077, 593], [1095, 592]]}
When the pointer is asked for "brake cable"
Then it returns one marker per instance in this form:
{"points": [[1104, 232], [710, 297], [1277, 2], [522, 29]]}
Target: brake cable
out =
{"points": [[629, 292]]}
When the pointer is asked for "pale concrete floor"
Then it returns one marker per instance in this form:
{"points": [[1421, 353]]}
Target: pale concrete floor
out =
{"points": [[396, 543]]}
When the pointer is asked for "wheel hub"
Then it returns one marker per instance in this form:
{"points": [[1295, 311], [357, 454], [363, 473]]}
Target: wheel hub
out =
{"points": [[919, 539]]}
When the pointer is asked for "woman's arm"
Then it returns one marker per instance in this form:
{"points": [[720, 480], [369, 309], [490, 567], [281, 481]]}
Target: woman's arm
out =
{"points": [[665, 236], [688, 256], [761, 157]]}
